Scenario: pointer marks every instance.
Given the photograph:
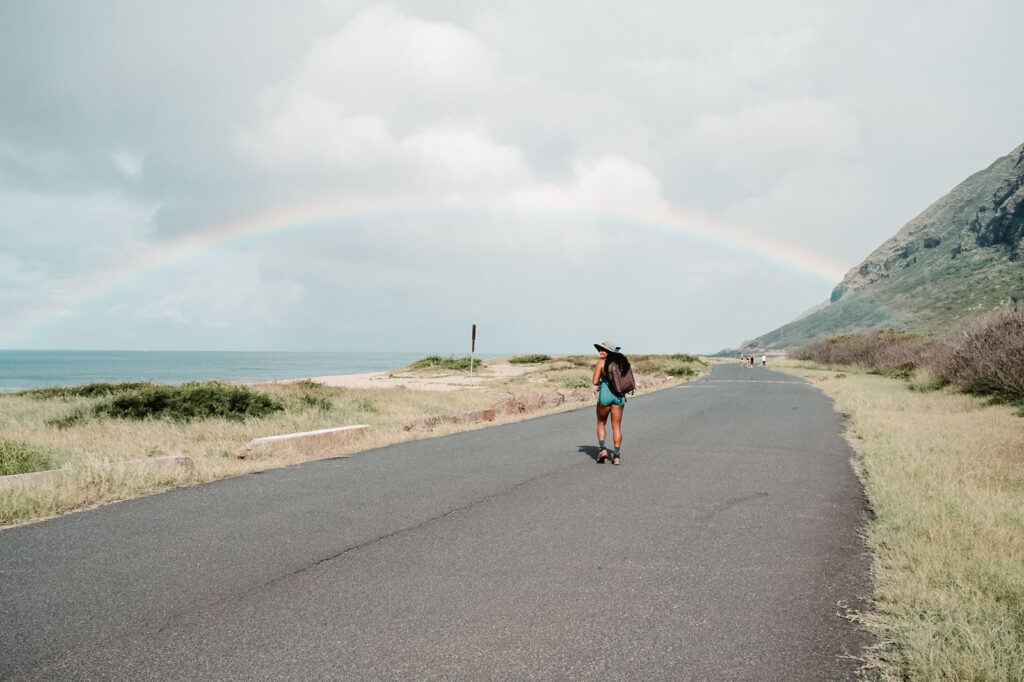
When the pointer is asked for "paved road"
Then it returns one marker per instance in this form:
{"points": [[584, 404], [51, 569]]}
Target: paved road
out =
{"points": [[718, 550]]}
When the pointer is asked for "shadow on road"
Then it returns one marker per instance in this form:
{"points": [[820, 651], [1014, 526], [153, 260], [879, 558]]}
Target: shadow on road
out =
{"points": [[590, 451]]}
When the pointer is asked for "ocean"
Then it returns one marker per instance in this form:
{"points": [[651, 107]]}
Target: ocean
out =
{"points": [[26, 369]]}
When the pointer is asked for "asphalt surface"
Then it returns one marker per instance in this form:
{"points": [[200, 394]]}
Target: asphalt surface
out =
{"points": [[725, 547]]}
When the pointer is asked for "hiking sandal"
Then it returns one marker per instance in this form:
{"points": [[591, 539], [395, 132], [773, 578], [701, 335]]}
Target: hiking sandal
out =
{"points": [[615, 460], [602, 455]]}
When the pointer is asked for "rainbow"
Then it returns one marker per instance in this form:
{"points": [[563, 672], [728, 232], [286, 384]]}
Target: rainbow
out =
{"points": [[693, 227]]}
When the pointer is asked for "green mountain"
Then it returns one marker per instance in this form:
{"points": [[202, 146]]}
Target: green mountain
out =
{"points": [[964, 255]]}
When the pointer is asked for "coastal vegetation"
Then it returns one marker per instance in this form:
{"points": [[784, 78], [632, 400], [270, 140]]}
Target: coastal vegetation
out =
{"points": [[940, 455], [19, 457], [85, 390], [677, 365], [81, 430], [185, 403], [448, 363], [529, 359], [983, 357]]}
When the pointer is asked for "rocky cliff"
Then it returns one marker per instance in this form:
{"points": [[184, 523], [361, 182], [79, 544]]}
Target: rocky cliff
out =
{"points": [[961, 256]]}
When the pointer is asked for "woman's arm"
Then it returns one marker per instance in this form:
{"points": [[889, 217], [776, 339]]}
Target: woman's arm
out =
{"points": [[597, 371]]}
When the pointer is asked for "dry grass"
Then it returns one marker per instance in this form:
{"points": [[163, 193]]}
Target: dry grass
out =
{"points": [[944, 477], [212, 443]]}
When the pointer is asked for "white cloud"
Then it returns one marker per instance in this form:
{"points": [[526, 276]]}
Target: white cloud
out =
{"points": [[607, 184], [383, 71], [465, 158], [384, 60]]}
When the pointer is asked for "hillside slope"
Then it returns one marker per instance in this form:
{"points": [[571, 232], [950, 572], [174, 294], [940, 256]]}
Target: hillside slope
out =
{"points": [[962, 256]]}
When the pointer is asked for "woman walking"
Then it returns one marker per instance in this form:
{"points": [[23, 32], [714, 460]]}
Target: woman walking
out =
{"points": [[607, 404]]}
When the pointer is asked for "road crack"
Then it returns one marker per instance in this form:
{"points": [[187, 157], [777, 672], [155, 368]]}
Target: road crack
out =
{"points": [[729, 504]]}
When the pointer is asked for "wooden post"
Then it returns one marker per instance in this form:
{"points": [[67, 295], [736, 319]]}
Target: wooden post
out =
{"points": [[472, 349]]}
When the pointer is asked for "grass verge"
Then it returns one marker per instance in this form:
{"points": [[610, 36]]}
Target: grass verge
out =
{"points": [[944, 475]]}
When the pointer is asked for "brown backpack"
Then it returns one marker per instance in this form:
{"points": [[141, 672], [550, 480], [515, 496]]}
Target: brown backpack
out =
{"points": [[620, 374]]}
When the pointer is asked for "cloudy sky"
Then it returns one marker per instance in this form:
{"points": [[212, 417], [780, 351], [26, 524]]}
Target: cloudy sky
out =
{"points": [[674, 176]]}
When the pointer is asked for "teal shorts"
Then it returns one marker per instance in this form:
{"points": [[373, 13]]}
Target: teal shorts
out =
{"points": [[606, 397]]}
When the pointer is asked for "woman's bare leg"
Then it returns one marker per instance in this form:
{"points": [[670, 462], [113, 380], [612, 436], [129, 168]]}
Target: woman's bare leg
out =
{"points": [[602, 417], [616, 425]]}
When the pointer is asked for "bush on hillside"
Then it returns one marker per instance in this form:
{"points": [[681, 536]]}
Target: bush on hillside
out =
{"points": [[887, 351], [987, 356]]}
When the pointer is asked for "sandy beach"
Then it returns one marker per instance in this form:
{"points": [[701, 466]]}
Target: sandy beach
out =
{"points": [[495, 370]]}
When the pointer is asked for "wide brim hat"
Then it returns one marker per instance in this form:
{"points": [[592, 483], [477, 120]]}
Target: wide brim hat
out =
{"points": [[608, 346]]}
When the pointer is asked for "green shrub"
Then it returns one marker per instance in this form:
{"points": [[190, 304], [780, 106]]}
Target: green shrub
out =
{"points": [[97, 390], [448, 363], [986, 357], [529, 359], [317, 402], [365, 405], [578, 381], [66, 422], [677, 365], [680, 371], [890, 352], [17, 457], [190, 402], [685, 357], [310, 385]]}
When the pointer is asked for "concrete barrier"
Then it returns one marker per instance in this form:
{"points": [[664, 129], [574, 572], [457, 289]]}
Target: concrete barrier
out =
{"points": [[339, 434], [429, 423], [15, 480]]}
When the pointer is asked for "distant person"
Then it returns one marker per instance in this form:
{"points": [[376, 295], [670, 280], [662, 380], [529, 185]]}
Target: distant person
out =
{"points": [[743, 361], [607, 403], [764, 359]]}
